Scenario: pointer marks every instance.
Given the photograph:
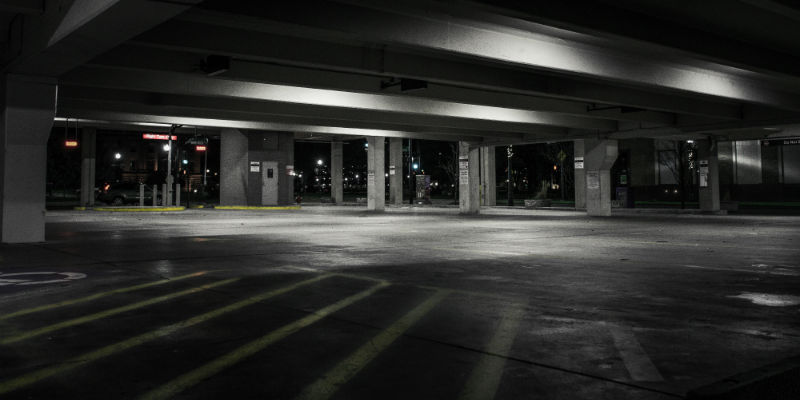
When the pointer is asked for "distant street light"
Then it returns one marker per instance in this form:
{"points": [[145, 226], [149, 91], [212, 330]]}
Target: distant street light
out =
{"points": [[416, 166], [117, 156], [166, 147], [319, 162]]}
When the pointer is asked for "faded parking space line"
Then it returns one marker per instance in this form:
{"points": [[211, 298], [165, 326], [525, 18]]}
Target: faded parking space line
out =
{"points": [[83, 359], [326, 386], [110, 312], [195, 376], [97, 296], [485, 377], [638, 364]]}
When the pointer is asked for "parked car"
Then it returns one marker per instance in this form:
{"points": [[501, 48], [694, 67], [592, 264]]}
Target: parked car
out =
{"points": [[123, 193]]}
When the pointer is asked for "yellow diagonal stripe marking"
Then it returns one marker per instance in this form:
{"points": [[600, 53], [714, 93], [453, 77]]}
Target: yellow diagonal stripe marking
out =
{"points": [[193, 377], [485, 377], [111, 312], [326, 386], [97, 296], [112, 349]]}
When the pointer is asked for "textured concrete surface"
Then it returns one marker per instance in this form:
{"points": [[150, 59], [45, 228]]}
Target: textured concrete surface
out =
{"points": [[338, 302]]}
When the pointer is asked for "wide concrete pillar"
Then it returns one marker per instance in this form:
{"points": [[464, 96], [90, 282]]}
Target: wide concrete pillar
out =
{"points": [[708, 167], [28, 108], [488, 176], [580, 174], [233, 167], [600, 156], [468, 178], [395, 171], [88, 145], [337, 169], [376, 181]]}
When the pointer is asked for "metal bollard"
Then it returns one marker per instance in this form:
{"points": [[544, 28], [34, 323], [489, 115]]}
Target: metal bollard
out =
{"points": [[177, 194], [165, 195], [141, 195], [155, 195]]}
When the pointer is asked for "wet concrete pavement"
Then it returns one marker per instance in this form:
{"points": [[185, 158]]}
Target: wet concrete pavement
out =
{"points": [[330, 302]]}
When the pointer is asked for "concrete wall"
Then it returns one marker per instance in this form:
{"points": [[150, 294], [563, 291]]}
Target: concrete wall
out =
{"points": [[240, 186]]}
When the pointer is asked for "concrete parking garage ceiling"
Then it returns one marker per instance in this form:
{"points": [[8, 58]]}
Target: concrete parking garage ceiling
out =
{"points": [[498, 72]]}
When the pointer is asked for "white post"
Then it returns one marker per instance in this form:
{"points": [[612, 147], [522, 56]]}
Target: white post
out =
{"points": [[177, 194], [155, 195], [141, 195]]}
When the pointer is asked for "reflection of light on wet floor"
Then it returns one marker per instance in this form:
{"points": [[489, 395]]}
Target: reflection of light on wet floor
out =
{"points": [[772, 300]]}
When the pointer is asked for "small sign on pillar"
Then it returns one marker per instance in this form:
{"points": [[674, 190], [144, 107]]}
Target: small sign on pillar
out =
{"points": [[463, 171], [578, 162], [703, 173], [593, 180], [255, 166]]}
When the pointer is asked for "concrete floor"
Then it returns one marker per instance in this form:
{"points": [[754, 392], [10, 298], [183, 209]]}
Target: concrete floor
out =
{"points": [[331, 302]]}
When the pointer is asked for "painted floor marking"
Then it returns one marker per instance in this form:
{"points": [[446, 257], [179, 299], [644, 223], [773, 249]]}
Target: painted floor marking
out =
{"points": [[97, 296], [485, 377], [638, 364], [195, 376], [16, 281], [326, 386], [111, 312], [126, 344]]}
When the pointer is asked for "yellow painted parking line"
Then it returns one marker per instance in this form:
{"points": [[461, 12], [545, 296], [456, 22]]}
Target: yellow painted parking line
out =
{"points": [[97, 296], [326, 386], [83, 359], [485, 378], [110, 312], [194, 377], [256, 207]]}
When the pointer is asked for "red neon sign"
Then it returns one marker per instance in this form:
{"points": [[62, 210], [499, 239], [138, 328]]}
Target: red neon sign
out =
{"points": [[200, 148], [157, 136], [70, 143]]}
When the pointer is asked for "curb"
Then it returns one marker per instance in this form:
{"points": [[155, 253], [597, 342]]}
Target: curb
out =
{"points": [[257, 207], [773, 381], [131, 209]]}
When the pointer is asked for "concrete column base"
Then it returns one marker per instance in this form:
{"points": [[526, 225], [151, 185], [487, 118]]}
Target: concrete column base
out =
{"points": [[708, 166], [395, 171], [337, 163], [376, 180], [28, 111], [488, 176], [600, 156], [468, 178]]}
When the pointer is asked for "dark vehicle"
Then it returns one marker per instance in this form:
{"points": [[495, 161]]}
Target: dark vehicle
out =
{"points": [[123, 193]]}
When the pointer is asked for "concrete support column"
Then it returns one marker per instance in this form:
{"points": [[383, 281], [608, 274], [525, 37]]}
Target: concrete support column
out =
{"points": [[88, 157], [376, 181], [488, 176], [337, 168], [600, 156], [395, 171], [28, 108], [233, 168], [580, 174], [468, 179], [709, 175]]}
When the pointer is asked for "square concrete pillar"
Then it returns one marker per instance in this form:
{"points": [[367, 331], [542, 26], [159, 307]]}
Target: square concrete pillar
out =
{"points": [[488, 176], [468, 178], [395, 171], [376, 181], [337, 169], [708, 167], [88, 145], [233, 167], [600, 156], [580, 174], [28, 107]]}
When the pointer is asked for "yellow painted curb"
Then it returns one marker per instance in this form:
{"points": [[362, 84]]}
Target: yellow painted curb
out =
{"points": [[197, 206], [138, 209], [79, 208], [257, 207]]}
